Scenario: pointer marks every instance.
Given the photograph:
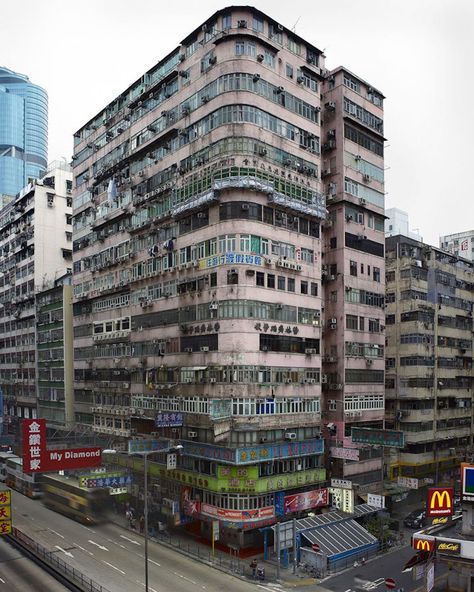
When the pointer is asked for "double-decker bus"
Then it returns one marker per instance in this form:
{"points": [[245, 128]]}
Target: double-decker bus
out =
{"points": [[28, 484], [4, 456], [64, 495]]}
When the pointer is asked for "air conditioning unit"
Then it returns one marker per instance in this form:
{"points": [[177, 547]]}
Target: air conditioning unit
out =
{"points": [[310, 351], [324, 378], [204, 348], [333, 321], [213, 60], [330, 105], [300, 79], [192, 434], [201, 215], [188, 350], [242, 24], [288, 381], [290, 436], [245, 206], [212, 380], [369, 362], [260, 57], [213, 306]]}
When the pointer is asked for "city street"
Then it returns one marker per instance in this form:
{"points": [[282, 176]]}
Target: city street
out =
{"points": [[20, 574], [114, 557]]}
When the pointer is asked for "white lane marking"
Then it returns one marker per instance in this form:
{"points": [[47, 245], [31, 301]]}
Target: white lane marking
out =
{"points": [[64, 551], [155, 562], [82, 549], [97, 545], [130, 540], [123, 546], [59, 535], [149, 587], [113, 566], [87, 528], [3, 581], [184, 578]]}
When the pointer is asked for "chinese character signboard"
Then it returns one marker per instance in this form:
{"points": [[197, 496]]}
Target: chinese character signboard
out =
{"points": [[408, 482], [376, 501], [5, 512], [114, 480], [440, 501], [346, 453], [169, 420], [305, 501], [392, 438], [38, 459], [342, 499], [467, 482]]}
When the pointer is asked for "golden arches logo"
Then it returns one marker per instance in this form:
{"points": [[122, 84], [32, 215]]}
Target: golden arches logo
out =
{"points": [[443, 499], [422, 545]]}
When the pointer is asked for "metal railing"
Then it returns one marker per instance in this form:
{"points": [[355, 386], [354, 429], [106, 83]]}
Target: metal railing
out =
{"points": [[51, 559]]}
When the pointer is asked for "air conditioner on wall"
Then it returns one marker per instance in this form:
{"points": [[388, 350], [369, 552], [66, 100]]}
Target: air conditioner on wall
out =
{"points": [[290, 436]]}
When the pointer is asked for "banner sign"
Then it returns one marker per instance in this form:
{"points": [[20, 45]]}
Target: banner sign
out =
{"points": [[448, 547], [305, 501], [341, 483], [252, 454], [135, 446], [467, 482], [423, 544], [408, 482], [238, 515], [117, 480], [440, 501], [38, 459], [169, 420], [376, 501], [345, 453], [392, 438], [279, 501], [342, 499], [5, 512]]}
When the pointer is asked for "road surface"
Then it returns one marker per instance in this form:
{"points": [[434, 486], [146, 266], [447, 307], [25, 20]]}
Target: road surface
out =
{"points": [[114, 557], [20, 574]]}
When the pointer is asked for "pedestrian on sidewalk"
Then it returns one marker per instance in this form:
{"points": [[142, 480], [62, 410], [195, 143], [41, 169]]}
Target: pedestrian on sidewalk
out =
{"points": [[142, 524], [253, 567]]}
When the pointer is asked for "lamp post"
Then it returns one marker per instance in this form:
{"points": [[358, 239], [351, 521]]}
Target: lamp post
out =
{"points": [[146, 454]]}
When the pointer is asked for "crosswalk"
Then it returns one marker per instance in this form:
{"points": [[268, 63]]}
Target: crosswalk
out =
{"points": [[367, 585]]}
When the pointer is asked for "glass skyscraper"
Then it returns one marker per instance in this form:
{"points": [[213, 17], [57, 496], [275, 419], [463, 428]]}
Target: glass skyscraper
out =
{"points": [[23, 131]]}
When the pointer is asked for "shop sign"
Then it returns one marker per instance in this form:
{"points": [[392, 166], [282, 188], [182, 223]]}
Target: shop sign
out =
{"points": [[238, 515], [376, 501], [345, 453], [135, 446], [448, 547], [38, 459], [113, 481], [392, 438], [5, 512], [467, 482], [341, 483], [423, 544], [224, 472], [342, 499], [169, 420], [232, 258], [440, 501], [305, 501], [279, 499], [408, 482]]}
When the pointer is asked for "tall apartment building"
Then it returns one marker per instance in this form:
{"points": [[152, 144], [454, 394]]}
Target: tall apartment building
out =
{"points": [[23, 131], [430, 298], [197, 264], [36, 248], [460, 244], [54, 341], [353, 270]]}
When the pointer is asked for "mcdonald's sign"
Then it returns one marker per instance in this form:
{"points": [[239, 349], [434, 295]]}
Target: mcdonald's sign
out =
{"points": [[440, 501], [423, 545]]}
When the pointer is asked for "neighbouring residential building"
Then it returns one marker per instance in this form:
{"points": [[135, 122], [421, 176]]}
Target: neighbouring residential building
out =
{"points": [[460, 244], [199, 296], [36, 249], [23, 131], [54, 340], [396, 222], [430, 297]]}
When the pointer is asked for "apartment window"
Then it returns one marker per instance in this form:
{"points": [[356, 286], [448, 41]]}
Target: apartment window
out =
{"points": [[362, 269], [247, 48], [213, 280], [232, 277], [289, 70], [333, 242], [291, 285], [353, 268], [314, 289], [269, 58], [351, 83], [68, 236], [333, 296], [68, 219], [352, 322], [293, 46], [376, 274], [308, 81], [270, 280], [69, 202], [374, 326], [260, 279], [227, 21], [258, 24], [281, 282], [304, 287], [361, 324]]}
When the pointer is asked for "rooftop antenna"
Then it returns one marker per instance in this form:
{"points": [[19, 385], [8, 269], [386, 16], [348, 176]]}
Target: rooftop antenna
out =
{"points": [[294, 26]]}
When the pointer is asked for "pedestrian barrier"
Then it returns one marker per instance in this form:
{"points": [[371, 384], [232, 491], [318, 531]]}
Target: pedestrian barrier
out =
{"points": [[57, 565]]}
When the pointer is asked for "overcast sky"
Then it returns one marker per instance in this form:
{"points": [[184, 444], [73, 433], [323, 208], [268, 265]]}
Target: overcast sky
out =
{"points": [[419, 53]]}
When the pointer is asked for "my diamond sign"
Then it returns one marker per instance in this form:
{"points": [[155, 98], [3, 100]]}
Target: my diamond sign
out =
{"points": [[390, 438]]}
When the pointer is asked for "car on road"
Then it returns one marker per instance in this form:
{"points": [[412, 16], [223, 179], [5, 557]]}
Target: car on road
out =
{"points": [[415, 519]]}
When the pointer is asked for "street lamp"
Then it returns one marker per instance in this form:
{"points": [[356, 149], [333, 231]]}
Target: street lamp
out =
{"points": [[146, 453]]}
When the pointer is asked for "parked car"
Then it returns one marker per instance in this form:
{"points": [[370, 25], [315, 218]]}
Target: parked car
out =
{"points": [[415, 519]]}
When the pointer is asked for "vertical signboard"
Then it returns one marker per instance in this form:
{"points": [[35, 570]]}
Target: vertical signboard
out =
{"points": [[5, 512]]}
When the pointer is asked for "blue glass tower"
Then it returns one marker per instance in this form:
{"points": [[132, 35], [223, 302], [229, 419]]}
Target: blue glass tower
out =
{"points": [[23, 131]]}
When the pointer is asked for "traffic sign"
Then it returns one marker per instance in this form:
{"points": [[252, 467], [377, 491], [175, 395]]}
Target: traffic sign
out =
{"points": [[390, 583], [316, 548]]}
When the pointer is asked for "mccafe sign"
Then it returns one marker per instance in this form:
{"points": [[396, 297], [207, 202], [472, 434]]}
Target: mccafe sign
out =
{"points": [[448, 547]]}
